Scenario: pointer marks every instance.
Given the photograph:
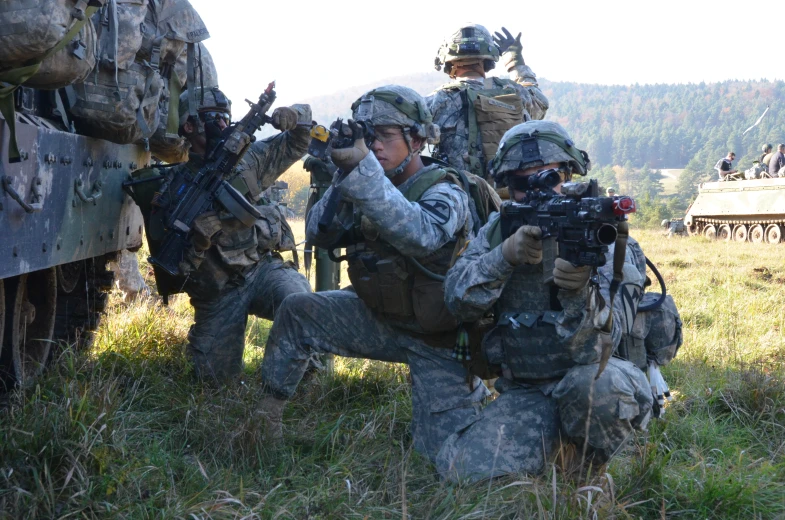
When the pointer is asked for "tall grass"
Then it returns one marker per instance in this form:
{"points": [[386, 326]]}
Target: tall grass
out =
{"points": [[124, 431]]}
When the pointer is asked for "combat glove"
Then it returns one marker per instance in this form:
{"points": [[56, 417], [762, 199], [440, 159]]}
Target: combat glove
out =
{"points": [[524, 246], [347, 159], [570, 277], [512, 46], [284, 118]]}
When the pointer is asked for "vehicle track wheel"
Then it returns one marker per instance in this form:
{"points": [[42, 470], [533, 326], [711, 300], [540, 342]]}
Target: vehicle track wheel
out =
{"points": [[740, 233], [710, 232], [724, 233], [693, 230], [756, 234], [773, 234], [30, 316]]}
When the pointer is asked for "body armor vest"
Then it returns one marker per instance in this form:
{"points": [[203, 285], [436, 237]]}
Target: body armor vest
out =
{"points": [[524, 341], [404, 290]]}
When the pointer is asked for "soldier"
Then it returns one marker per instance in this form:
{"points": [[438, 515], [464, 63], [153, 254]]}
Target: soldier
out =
{"points": [[401, 221], [547, 336], [674, 226], [232, 270], [473, 111], [610, 192]]}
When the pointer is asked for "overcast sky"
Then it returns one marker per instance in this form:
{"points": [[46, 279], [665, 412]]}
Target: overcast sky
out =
{"points": [[319, 47]]}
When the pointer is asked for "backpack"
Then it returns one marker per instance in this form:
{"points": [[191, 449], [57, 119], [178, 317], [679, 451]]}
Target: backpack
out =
{"points": [[139, 42], [490, 112]]}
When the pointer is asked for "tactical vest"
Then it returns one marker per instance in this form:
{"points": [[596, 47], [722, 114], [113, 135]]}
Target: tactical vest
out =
{"points": [[490, 112], [524, 340], [404, 290], [235, 249]]}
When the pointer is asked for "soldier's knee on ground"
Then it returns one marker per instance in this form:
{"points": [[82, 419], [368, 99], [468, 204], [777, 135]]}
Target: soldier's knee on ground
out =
{"points": [[212, 362], [218, 369], [620, 403]]}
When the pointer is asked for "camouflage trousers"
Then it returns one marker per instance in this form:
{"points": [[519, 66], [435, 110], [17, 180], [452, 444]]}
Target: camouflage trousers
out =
{"points": [[216, 340], [522, 428], [339, 322]]}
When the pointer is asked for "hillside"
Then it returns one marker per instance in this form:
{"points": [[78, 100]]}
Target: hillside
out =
{"points": [[662, 126]]}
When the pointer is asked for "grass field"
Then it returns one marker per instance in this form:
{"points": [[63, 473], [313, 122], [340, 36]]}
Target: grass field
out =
{"points": [[123, 431]]}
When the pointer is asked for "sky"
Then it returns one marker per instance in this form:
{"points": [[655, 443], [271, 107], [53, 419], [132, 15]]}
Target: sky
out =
{"points": [[314, 48]]}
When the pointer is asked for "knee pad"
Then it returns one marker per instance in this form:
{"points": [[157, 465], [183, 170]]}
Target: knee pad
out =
{"points": [[620, 403]]}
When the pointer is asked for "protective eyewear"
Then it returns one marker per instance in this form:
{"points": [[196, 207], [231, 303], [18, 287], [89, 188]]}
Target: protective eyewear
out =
{"points": [[215, 116]]}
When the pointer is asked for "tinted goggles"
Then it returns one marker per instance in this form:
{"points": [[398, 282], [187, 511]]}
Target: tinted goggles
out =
{"points": [[210, 116]]}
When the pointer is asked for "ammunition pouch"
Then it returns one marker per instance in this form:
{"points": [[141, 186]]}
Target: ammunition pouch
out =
{"points": [[393, 287], [655, 334], [527, 346]]}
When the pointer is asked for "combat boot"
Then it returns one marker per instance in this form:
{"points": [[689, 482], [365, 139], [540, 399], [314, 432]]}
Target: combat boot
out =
{"points": [[271, 412]]}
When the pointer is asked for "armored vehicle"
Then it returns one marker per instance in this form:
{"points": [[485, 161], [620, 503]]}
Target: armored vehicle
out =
{"points": [[739, 210], [63, 215]]}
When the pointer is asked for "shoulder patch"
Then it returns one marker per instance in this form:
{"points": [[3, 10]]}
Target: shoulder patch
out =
{"points": [[438, 209]]}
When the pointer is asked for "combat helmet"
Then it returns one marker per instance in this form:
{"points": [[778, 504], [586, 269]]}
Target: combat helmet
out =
{"points": [[536, 143], [395, 105], [207, 100], [470, 41], [767, 148]]}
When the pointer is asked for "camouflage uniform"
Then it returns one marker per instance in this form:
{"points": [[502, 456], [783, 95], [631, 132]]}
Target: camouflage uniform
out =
{"points": [[449, 106], [548, 343], [342, 323], [240, 272]]}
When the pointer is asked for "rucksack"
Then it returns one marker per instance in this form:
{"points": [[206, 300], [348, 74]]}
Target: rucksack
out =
{"points": [[490, 112], [139, 42]]}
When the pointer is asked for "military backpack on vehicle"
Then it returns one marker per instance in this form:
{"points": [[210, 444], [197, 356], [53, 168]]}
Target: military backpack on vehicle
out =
{"points": [[139, 42]]}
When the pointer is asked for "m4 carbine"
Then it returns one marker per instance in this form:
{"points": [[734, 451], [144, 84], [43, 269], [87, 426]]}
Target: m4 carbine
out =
{"points": [[583, 223], [189, 194]]}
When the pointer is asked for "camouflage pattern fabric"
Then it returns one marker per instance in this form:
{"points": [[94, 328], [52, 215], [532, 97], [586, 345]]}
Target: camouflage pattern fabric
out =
{"points": [[217, 338], [237, 274], [340, 322], [521, 429], [621, 400], [415, 229], [446, 105]]}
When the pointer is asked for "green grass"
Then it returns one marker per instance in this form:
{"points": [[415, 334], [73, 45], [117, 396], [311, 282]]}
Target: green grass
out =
{"points": [[123, 431]]}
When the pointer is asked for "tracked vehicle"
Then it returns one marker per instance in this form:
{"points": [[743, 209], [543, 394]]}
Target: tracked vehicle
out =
{"points": [[744, 210], [63, 215]]}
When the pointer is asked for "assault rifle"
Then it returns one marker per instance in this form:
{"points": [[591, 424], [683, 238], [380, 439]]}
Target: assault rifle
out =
{"points": [[583, 223], [188, 194]]}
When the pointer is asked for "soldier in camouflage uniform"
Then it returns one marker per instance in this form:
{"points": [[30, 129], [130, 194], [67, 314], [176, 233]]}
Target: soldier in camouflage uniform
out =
{"points": [[547, 336], [469, 135], [232, 270], [401, 221]]}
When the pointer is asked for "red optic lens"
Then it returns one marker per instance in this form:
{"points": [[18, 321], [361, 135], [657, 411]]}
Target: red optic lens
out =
{"points": [[623, 206]]}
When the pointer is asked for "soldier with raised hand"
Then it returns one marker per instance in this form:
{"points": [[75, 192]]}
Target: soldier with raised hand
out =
{"points": [[473, 111], [548, 333], [232, 269], [401, 221]]}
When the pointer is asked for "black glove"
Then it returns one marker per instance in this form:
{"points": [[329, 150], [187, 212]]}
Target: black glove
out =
{"points": [[347, 158], [505, 41]]}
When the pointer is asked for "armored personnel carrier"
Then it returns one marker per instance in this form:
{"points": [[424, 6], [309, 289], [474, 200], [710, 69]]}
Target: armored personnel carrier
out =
{"points": [[63, 215], [739, 210]]}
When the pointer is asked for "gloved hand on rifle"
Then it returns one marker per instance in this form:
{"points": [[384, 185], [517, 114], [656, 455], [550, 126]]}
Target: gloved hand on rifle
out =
{"points": [[524, 246], [570, 277], [284, 118], [347, 159]]}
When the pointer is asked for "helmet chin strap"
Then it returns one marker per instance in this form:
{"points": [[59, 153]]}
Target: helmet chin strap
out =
{"points": [[401, 167]]}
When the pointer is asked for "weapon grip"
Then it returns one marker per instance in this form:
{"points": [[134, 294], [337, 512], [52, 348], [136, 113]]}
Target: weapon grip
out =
{"points": [[170, 253], [330, 208]]}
